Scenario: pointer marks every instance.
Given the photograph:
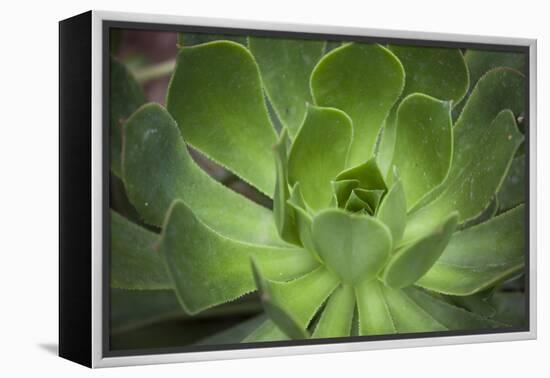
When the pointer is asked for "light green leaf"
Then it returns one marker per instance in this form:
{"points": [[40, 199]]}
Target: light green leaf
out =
{"points": [[292, 305], [424, 144], [303, 220], [342, 190], [282, 211], [267, 331], [437, 72], [135, 261], [208, 269], [363, 80], [283, 318], [368, 174], [413, 260], [355, 203], [216, 98], [285, 66], [407, 316], [337, 315], [512, 191], [125, 97], [481, 256], [375, 317], [393, 210], [158, 169], [474, 177], [354, 246], [319, 153], [371, 196]]}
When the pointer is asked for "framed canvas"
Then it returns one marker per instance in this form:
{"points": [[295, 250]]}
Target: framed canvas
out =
{"points": [[235, 189]]}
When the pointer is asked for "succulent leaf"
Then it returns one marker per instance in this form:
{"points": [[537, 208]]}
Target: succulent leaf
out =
{"points": [[319, 153], [436, 72], [474, 177], [355, 247], [293, 304], [282, 211], [337, 315], [303, 219], [413, 260], [393, 210], [374, 313], [208, 269], [512, 191], [216, 98], [480, 256], [157, 170], [135, 263], [424, 144], [267, 331], [367, 173], [363, 80], [285, 66], [124, 98]]}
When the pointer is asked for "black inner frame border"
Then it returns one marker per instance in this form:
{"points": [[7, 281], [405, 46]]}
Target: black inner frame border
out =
{"points": [[107, 25]]}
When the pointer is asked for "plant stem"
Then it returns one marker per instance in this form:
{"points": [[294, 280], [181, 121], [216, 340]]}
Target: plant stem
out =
{"points": [[155, 71]]}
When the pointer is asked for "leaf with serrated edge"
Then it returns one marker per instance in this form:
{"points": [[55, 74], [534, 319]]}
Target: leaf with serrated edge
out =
{"points": [[135, 264], [471, 188], [296, 301], [498, 90], [412, 261], [481, 256], [285, 66], [319, 153], [363, 80], [353, 246], [216, 98], [337, 315], [284, 319], [157, 169], [424, 144], [436, 72], [208, 269]]}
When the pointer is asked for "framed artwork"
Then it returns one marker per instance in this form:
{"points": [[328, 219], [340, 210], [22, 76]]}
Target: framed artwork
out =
{"points": [[232, 189]]}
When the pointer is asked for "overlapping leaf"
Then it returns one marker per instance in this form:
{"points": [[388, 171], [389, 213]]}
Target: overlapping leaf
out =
{"points": [[285, 66], [208, 269], [364, 81], [158, 170], [216, 98]]}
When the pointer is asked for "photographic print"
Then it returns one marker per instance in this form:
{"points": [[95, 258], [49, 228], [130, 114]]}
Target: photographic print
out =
{"points": [[286, 189]]}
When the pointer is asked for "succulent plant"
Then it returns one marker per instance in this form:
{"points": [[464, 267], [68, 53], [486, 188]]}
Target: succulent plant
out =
{"points": [[395, 173]]}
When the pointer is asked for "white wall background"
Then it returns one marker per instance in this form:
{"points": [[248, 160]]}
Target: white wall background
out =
{"points": [[29, 189]]}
